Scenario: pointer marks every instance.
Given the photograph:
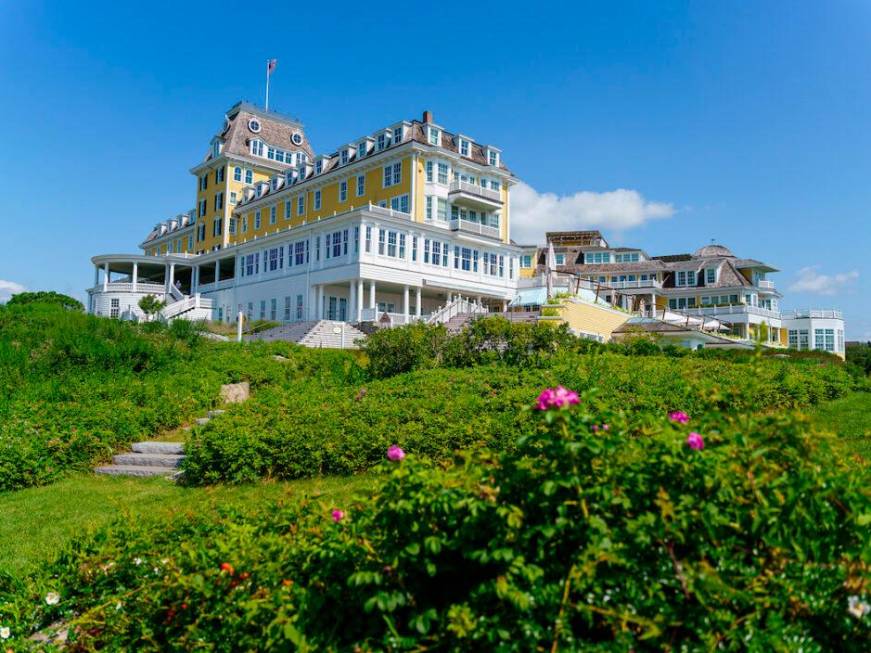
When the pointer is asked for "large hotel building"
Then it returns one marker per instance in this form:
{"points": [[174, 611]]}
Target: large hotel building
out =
{"points": [[412, 222]]}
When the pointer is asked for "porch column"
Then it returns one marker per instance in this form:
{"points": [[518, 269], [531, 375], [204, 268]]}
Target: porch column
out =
{"points": [[195, 279], [352, 300], [320, 307], [361, 299], [171, 274], [135, 274], [372, 294], [96, 275], [105, 277], [417, 302], [217, 271], [405, 303]]}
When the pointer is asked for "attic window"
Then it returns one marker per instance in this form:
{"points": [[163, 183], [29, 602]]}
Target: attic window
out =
{"points": [[361, 150], [257, 148], [296, 138], [344, 156], [216, 148], [493, 158], [254, 125], [464, 147], [434, 136], [382, 141], [318, 167]]}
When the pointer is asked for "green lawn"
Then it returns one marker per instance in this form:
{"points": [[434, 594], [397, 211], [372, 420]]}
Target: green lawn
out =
{"points": [[36, 523], [849, 418]]}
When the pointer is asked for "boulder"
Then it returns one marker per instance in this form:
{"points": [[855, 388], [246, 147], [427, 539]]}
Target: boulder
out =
{"points": [[235, 393]]}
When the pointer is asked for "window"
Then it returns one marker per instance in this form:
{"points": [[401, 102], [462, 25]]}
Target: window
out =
{"points": [[300, 251], [287, 309], [429, 170], [414, 248], [397, 135], [466, 259], [382, 142], [343, 191], [560, 259], [686, 278], [441, 209], [249, 176], [257, 220], [710, 276], [429, 207], [368, 239], [840, 345], [361, 185], [299, 307], [399, 203], [204, 181], [272, 215], [300, 205], [287, 210], [443, 173], [115, 307], [464, 147], [275, 259], [824, 339], [493, 158], [434, 136], [392, 174], [343, 156], [232, 224], [237, 174], [391, 243], [233, 199], [628, 257], [402, 246], [202, 211], [319, 166], [361, 150], [257, 148], [216, 227], [317, 206], [262, 309], [219, 175], [381, 241], [597, 257], [273, 309], [526, 261]]}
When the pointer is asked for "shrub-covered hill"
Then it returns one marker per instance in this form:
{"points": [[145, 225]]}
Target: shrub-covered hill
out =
{"points": [[317, 426], [599, 530], [74, 388]]}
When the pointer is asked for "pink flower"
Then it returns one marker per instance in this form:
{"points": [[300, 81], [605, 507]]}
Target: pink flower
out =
{"points": [[606, 427], [338, 515], [595, 428], [695, 441], [395, 453], [679, 416], [558, 397]]}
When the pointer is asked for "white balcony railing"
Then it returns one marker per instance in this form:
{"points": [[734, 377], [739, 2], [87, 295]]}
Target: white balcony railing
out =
{"points": [[734, 309], [128, 286], [767, 285], [458, 224], [638, 283], [475, 189], [815, 313]]}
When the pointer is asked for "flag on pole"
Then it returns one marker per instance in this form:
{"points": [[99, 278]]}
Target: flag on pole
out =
{"points": [[270, 66]]}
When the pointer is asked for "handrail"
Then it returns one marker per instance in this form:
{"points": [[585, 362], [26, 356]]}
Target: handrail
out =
{"points": [[474, 189], [474, 227], [454, 308]]}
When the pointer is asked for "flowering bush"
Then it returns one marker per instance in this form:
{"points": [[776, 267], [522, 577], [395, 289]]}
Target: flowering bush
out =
{"points": [[580, 538]]}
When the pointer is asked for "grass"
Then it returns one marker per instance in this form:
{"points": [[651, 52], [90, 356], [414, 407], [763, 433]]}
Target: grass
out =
{"points": [[849, 418], [53, 515]]}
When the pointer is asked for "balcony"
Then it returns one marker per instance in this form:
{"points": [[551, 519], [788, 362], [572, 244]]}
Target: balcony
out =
{"points": [[734, 309], [628, 285], [462, 193], [814, 313], [766, 285], [129, 287], [458, 224]]}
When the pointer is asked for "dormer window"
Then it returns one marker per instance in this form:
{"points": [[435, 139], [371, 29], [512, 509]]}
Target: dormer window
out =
{"points": [[560, 259], [289, 177], [464, 147], [434, 136], [319, 166], [257, 148], [216, 149], [710, 276], [254, 125], [493, 158], [343, 156], [361, 150], [398, 134], [273, 183], [382, 141]]}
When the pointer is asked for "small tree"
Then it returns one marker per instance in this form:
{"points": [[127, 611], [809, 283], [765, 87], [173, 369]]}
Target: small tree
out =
{"points": [[46, 297], [151, 306]]}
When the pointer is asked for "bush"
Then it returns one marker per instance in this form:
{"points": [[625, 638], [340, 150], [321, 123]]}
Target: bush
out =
{"points": [[46, 297], [585, 536], [395, 351]]}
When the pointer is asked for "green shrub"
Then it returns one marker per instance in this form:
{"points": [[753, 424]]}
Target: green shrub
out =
{"points": [[394, 351], [46, 297], [581, 537]]}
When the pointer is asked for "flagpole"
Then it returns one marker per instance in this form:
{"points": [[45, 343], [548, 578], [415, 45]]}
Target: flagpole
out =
{"points": [[267, 85]]}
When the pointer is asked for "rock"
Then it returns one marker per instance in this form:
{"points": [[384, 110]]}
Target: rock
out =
{"points": [[202, 421], [280, 358], [235, 393], [215, 413]]}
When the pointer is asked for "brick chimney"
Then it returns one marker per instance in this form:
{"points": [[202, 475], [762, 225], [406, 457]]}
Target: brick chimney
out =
{"points": [[427, 117]]}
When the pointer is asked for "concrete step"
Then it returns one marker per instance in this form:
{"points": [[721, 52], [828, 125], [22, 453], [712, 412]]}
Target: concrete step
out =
{"points": [[202, 421], [215, 413], [148, 459], [158, 447], [136, 470]]}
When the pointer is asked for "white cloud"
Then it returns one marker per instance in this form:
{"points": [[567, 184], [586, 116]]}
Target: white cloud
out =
{"points": [[9, 288], [811, 281], [533, 213]]}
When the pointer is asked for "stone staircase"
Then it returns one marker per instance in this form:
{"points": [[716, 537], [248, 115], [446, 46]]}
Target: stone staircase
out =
{"points": [[328, 334], [146, 459]]}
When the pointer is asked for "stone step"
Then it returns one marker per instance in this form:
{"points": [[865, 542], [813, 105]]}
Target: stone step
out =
{"points": [[148, 459], [202, 421], [215, 413], [158, 447], [136, 470]]}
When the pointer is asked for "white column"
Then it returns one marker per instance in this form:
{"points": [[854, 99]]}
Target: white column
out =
{"points": [[372, 294], [135, 275], [361, 299], [417, 301], [320, 307], [171, 274], [217, 271], [195, 279], [352, 300], [405, 303], [96, 275], [105, 277]]}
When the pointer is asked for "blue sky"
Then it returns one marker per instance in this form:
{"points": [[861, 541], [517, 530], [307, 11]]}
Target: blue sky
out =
{"points": [[743, 122]]}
